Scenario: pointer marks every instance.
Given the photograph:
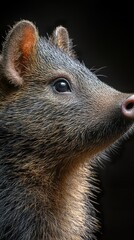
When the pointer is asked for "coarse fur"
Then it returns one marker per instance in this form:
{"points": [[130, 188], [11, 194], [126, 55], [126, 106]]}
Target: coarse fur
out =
{"points": [[48, 138]]}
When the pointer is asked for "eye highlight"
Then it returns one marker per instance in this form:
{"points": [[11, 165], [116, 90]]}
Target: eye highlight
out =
{"points": [[61, 85]]}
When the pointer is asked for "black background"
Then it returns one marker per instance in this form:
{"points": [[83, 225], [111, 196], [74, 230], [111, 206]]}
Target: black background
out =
{"points": [[103, 36]]}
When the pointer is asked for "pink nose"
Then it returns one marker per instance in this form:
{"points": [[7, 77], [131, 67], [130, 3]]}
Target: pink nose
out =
{"points": [[128, 107]]}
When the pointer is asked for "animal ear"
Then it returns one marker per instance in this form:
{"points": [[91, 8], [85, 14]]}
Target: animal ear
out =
{"points": [[19, 50], [60, 38]]}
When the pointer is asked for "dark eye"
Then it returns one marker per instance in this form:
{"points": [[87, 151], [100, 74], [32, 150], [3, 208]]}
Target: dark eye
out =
{"points": [[62, 85]]}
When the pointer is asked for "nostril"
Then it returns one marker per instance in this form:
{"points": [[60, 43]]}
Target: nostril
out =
{"points": [[128, 107]]}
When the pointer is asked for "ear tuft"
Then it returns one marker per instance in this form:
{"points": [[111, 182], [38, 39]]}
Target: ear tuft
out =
{"points": [[60, 38], [18, 50]]}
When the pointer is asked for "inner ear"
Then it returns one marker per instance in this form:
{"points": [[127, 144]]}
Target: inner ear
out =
{"points": [[27, 42], [18, 50], [60, 38]]}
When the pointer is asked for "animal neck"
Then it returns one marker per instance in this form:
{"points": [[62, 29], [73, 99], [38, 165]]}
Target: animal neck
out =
{"points": [[72, 205]]}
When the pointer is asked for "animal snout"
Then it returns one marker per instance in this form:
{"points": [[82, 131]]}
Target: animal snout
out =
{"points": [[128, 107]]}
